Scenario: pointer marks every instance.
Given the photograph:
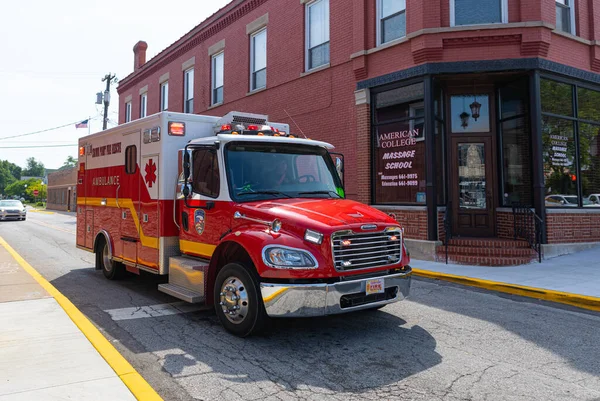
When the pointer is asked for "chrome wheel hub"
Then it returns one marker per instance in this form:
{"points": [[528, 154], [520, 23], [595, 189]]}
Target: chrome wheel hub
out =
{"points": [[234, 300], [108, 266]]}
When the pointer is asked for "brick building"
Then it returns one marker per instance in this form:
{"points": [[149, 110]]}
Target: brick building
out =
{"points": [[446, 110], [62, 190]]}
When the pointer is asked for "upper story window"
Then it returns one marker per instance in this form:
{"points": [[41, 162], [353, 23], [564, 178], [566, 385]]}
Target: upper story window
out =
{"points": [[188, 91], [127, 112], [164, 96], [478, 12], [317, 34], [143, 105], [391, 16], [258, 60], [565, 16], [217, 78]]}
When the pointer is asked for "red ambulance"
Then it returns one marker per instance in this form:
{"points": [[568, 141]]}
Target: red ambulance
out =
{"points": [[240, 215]]}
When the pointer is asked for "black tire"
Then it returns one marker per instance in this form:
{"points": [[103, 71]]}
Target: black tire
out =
{"points": [[250, 317], [112, 270]]}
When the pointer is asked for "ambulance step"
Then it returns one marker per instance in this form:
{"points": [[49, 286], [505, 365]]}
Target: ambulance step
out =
{"points": [[182, 293], [189, 274]]}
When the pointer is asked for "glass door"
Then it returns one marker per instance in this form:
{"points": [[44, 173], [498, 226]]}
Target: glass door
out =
{"points": [[473, 186]]}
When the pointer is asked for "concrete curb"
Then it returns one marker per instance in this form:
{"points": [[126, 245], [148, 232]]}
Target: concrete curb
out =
{"points": [[127, 373], [580, 301]]}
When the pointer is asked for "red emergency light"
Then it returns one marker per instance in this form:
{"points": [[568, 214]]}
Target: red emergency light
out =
{"points": [[176, 128]]}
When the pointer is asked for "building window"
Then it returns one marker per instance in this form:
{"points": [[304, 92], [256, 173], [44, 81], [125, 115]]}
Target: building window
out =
{"points": [[164, 96], [317, 34], [188, 91], [399, 146], [130, 159], [516, 144], [258, 60], [217, 78], [565, 16], [127, 112], [143, 105], [391, 15], [475, 12], [461, 118], [571, 144]]}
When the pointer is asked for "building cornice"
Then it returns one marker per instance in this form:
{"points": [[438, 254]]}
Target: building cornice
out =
{"points": [[463, 67], [214, 24]]}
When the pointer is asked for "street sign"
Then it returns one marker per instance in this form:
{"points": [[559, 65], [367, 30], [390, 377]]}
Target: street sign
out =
{"points": [[36, 192]]}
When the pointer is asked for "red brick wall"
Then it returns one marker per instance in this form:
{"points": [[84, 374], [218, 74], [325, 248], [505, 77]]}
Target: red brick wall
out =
{"points": [[573, 227], [413, 221]]}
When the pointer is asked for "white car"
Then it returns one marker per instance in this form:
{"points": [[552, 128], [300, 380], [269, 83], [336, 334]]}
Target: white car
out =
{"points": [[593, 200], [562, 200], [12, 209]]}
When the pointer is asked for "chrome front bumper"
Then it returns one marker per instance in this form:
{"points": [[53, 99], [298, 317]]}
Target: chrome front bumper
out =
{"points": [[12, 215], [306, 300]]}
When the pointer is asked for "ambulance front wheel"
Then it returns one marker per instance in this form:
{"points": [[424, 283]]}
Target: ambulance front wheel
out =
{"points": [[112, 270], [237, 302]]}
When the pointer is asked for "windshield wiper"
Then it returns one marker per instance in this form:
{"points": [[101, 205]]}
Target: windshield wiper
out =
{"points": [[320, 193], [263, 193]]}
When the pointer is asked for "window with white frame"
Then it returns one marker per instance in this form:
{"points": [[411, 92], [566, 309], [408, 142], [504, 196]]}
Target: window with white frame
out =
{"points": [[317, 34], [478, 12], [258, 60], [164, 96], [391, 16], [565, 16], [188, 91], [127, 112], [143, 105], [217, 78]]}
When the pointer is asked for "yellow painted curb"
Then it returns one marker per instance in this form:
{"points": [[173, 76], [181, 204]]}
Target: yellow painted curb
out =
{"points": [[40, 211], [130, 377], [580, 301]]}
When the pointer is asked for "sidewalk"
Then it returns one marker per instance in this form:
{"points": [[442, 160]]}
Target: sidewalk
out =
{"points": [[43, 354], [570, 279]]}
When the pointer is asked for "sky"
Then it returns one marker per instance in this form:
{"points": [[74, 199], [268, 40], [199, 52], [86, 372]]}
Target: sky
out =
{"points": [[53, 55]]}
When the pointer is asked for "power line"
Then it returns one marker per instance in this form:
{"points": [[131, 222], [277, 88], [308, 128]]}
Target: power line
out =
{"points": [[30, 147], [48, 129]]}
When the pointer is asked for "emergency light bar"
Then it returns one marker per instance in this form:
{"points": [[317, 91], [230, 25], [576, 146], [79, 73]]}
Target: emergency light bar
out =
{"points": [[251, 129]]}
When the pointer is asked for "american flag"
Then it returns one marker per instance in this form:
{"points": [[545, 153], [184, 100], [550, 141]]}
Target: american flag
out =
{"points": [[83, 124]]}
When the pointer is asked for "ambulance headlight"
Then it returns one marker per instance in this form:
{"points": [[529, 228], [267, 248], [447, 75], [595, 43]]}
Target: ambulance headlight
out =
{"points": [[282, 257]]}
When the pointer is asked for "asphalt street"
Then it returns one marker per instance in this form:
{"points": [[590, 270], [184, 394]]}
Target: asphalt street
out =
{"points": [[445, 343]]}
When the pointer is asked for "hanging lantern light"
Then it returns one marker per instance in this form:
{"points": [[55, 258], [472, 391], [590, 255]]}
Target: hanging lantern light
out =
{"points": [[475, 109], [464, 118]]}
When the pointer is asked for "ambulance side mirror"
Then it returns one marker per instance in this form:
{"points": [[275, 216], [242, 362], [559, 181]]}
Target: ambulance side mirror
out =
{"points": [[186, 167]]}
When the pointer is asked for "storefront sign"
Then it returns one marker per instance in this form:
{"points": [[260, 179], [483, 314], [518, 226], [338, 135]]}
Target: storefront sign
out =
{"points": [[559, 156], [400, 165]]}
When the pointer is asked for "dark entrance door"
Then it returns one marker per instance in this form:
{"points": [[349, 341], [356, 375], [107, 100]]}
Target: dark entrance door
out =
{"points": [[472, 189], [472, 186]]}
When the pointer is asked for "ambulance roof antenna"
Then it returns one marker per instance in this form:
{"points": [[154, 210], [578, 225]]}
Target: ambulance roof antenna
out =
{"points": [[297, 126]]}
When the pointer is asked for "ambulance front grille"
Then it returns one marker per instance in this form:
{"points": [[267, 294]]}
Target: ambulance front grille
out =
{"points": [[353, 251]]}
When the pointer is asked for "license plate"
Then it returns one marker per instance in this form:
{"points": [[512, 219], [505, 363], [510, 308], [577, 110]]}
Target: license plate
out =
{"points": [[375, 286]]}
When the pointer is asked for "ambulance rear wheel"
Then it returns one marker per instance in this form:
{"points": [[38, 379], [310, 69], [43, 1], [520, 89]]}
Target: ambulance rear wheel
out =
{"points": [[112, 270], [237, 302]]}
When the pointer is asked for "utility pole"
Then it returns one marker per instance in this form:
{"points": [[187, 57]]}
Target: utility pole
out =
{"points": [[109, 78]]}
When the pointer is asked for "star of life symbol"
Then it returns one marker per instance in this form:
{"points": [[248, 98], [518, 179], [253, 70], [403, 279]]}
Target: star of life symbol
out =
{"points": [[150, 173]]}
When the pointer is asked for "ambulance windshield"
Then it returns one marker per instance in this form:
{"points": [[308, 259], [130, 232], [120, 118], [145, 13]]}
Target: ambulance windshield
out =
{"points": [[258, 171]]}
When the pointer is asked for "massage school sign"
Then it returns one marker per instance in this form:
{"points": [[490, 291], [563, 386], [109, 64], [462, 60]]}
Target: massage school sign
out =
{"points": [[398, 165]]}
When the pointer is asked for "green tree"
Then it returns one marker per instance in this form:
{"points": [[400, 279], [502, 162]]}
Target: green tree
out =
{"points": [[69, 163], [24, 188], [34, 168], [9, 173]]}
